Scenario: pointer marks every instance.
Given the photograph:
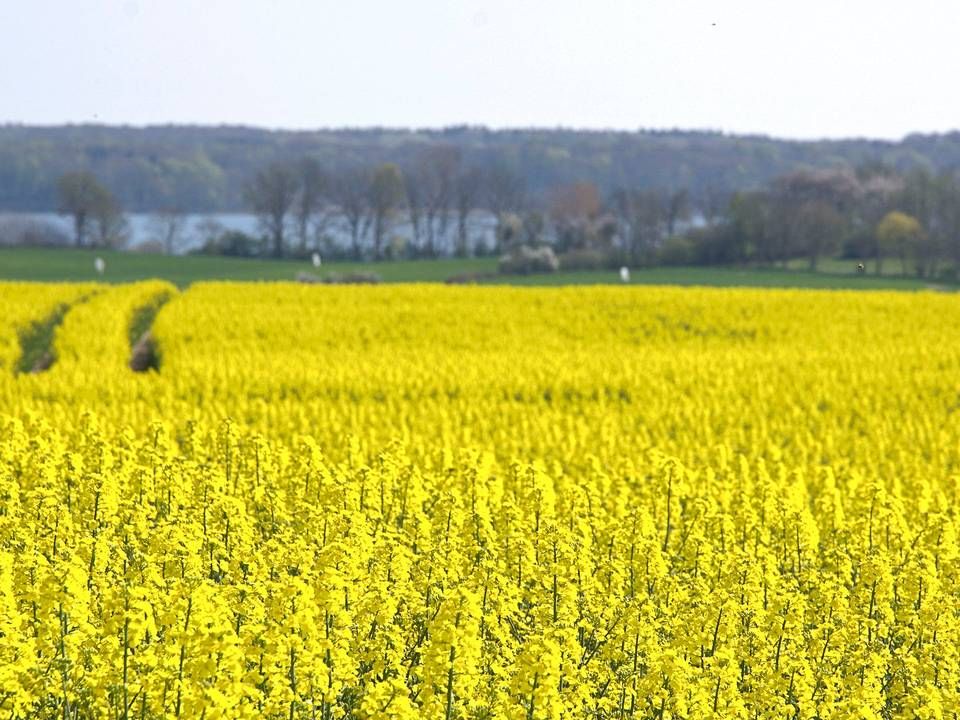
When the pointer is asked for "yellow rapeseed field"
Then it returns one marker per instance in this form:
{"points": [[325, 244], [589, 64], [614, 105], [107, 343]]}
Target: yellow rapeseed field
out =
{"points": [[438, 502]]}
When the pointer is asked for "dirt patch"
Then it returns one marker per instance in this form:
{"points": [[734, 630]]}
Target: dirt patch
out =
{"points": [[143, 355], [143, 350], [470, 277], [43, 362]]}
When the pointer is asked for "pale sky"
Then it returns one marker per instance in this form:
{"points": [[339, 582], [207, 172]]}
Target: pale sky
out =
{"points": [[820, 68]]}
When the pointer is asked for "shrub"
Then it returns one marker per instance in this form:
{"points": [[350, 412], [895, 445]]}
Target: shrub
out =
{"points": [[31, 232], [948, 274], [309, 278], [527, 260], [587, 259], [469, 277], [717, 245], [357, 277], [149, 247], [677, 250], [232, 243]]}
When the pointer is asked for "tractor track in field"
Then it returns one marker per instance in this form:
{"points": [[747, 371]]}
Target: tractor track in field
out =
{"points": [[143, 349], [36, 339]]}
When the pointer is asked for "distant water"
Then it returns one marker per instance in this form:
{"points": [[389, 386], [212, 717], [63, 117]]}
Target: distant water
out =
{"points": [[142, 227]]}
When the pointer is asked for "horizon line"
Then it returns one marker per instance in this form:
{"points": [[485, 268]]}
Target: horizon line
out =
{"points": [[414, 130]]}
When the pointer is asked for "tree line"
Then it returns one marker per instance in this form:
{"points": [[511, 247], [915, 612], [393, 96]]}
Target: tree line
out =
{"points": [[875, 213], [205, 169], [434, 197]]}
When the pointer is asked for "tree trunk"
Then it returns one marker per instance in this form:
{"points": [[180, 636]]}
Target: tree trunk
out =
{"points": [[377, 236], [430, 235], [278, 243], [355, 239], [80, 228], [462, 235], [304, 221], [415, 227], [278, 219]]}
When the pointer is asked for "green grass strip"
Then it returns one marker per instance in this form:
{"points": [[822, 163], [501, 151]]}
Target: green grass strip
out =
{"points": [[36, 342], [143, 354]]}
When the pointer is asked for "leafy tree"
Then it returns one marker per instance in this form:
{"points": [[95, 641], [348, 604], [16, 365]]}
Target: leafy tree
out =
{"points": [[86, 201], [386, 195], [750, 230], [810, 203], [898, 233], [881, 187], [509, 232], [821, 226], [110, 225], [948, 201]]}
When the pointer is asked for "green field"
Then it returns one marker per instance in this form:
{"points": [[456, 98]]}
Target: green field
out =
{"points": [[727, 277], [78, 265], [70, 264]]}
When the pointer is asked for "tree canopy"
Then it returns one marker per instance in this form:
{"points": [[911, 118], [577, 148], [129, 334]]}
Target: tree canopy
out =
{"points": [[205, 169]]}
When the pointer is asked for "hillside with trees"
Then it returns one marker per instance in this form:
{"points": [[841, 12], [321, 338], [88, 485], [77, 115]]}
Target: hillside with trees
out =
{"points": [[206, 169]]}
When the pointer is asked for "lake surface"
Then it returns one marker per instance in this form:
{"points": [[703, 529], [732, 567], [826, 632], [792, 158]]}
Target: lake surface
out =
{"points": [[145, 227]]}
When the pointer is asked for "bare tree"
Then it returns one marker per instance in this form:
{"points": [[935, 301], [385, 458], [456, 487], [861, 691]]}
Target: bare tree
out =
{"points": [[349, 191], [436, 175], [505, 190], [271, 195], [313, 184], [467, 189], [572, 211], [167, 226], [677, 209], [324, 220], [713, 203], [642, 220], [207, 231], [505, 193], [414, 206]]}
